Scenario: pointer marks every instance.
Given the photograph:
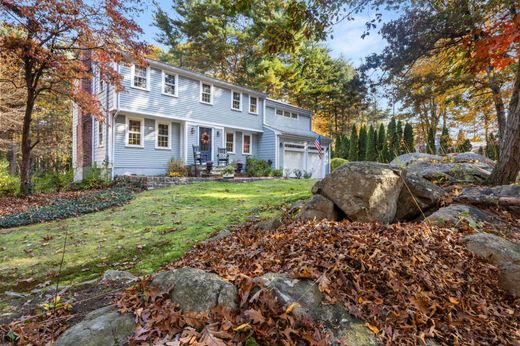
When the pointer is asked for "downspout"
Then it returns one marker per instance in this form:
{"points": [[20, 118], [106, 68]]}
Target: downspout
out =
{"points": [[113, 139]]}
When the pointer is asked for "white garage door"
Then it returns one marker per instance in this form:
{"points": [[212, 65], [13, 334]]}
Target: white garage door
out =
{"points": [[314, 165], [294, 156]]}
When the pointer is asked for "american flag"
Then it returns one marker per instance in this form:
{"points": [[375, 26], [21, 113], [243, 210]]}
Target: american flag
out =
{"points": [[317, 144]]}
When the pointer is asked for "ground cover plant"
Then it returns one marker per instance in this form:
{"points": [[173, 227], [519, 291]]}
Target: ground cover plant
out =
{"points": [[409, 282], [152, 230], [62, 208]]}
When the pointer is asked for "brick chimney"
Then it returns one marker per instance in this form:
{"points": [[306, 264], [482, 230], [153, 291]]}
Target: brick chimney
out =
{"points": [[84, 126]]}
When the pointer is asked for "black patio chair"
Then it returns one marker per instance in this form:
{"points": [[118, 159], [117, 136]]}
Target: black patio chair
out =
{"points": [[222, 156]]}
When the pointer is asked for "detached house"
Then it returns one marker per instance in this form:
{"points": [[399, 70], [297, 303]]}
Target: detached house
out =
{"points": [[166, 111]]}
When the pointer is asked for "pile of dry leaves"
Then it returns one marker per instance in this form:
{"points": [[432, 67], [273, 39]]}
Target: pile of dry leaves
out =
{"points": [[408, 281], [16, 205]]}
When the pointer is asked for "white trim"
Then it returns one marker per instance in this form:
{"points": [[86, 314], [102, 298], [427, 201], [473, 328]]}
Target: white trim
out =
{"points": [[234, 141], [156, 139], [239, 109], [127, 120], [211, 91], [132, 74], [193, 121], [163, 83], [250, 143], [249, 106], [185, 141]]}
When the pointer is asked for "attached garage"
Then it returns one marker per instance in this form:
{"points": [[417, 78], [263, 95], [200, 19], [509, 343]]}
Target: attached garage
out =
{"points": [[303, 157]]}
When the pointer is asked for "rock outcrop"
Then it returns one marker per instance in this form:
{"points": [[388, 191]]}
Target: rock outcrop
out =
{"points": [[118, 276], [417, 193], [318, 208], [454, 213], [404, 160], [364, 191], [506, 196], [449, 172], [196, 290], [105, 326], [345, 328]]}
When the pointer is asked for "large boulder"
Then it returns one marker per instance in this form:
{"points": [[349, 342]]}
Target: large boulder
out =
{"points": [[417, 195], [364, 191], [346, 328], [105, 326], [472, 157], [196, 290], [493, 248], [454, 213], [497, 195], [404, 160], [318, 208], [449, 171], [509, 278]]}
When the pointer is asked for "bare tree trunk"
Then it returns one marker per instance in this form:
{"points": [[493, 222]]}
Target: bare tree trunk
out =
{"points": [[500, 108], [508, 165], [26, 145]]}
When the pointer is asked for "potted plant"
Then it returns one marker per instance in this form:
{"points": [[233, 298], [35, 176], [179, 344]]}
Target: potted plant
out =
{"points": [[209, 166], [228, 172], [240, 165]]}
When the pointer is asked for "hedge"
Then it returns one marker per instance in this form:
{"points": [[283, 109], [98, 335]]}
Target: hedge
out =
{"points": [[65, 208]]}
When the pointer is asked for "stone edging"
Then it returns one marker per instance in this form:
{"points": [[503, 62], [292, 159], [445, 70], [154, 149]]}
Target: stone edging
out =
{"points": [[155, 182]]}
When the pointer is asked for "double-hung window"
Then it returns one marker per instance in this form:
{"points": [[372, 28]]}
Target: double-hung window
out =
{"points": [[169, 84], [162, 131], [101, 138], [135, 129], [206, 93], [246, 144], [230, 142], [236, 100], [140, 77], [253, 105]]}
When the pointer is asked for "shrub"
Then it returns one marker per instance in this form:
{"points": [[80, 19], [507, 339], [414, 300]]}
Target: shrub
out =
{"points": [[95, 179], [307, 174], [278, 173], [8, 183], [177, 168], [336, 162], [257, 168], [48, 182], [64, 208], [229, 169], [298, 173]]}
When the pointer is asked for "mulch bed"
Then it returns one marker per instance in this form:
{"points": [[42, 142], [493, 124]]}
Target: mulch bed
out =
{"points": [[16, 205]]}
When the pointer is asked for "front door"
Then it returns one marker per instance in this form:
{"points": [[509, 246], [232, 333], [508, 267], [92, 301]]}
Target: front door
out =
{"points": [[205, 143]]}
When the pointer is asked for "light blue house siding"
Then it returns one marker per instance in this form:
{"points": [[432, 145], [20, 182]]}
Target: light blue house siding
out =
{"points": [[187, 105], [147, 160], [267, 146]]}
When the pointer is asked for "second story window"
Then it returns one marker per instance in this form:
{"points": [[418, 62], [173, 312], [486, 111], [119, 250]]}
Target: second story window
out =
{"points": [[279, 112], [100, 134], [253, 105], [294, 115], [236, 101], [140, 77], [287, 114], [101, 83], [206, 93], [169, 84]]}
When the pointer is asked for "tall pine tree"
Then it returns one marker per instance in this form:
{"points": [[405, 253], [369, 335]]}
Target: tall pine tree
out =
{"points": [[371, 145], [353, 153], [381, 140], [363, 140], [399, 133], [338, 146], [408, 140], [393, 140], [445, 141]]}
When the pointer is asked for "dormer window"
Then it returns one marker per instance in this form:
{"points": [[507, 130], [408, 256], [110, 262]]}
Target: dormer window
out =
{"points": [[253, 105], [236, 101], [140, 77], [279, 112], [169, 84], [206, 93]]}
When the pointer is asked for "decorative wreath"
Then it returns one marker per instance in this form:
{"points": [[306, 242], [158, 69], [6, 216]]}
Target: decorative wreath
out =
{"points": [[204, 138]]}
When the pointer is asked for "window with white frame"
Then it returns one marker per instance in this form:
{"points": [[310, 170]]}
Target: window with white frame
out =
{"points": [[205, 93], [169, 84], [294, 115], [163, 135], [246, 144], [236, 99], [253, 105], [135, 133], [279, 112], [100, 134], [101, 83], [287, 114], [230, 142], [140, 77]]}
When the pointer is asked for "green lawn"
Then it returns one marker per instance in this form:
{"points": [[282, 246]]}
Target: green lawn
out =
{"points": [[154, 229]]}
